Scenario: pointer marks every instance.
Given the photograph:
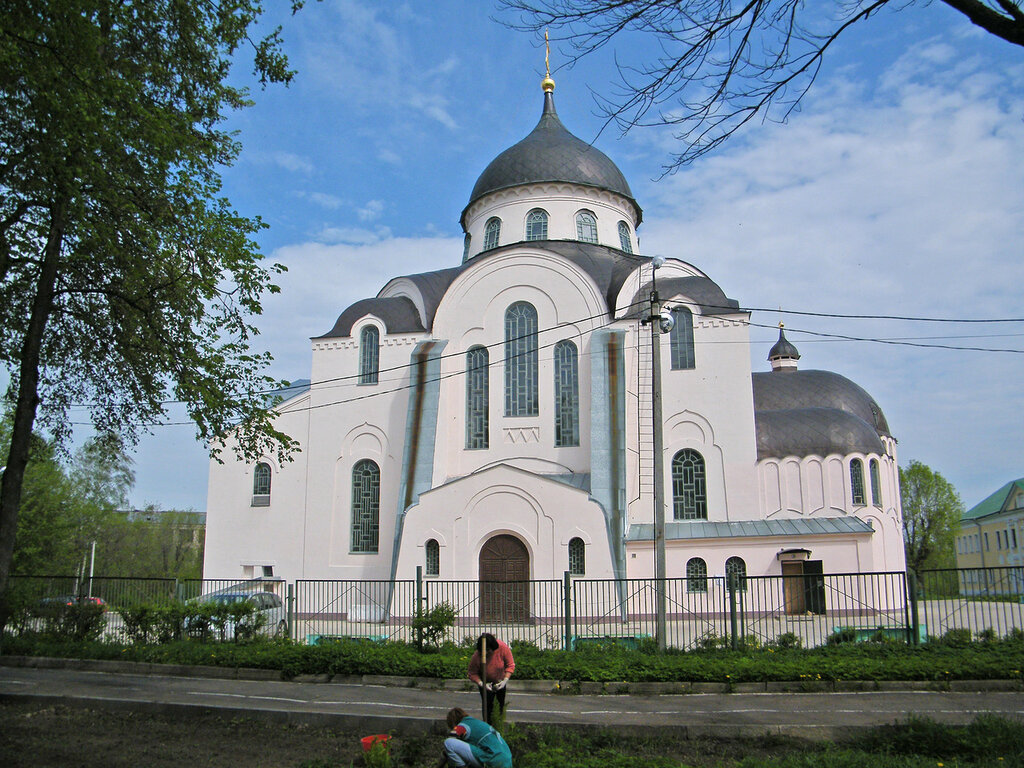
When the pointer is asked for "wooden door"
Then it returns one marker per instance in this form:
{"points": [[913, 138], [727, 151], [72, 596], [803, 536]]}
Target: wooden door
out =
{"points": [[504, 580], [793, 592]]}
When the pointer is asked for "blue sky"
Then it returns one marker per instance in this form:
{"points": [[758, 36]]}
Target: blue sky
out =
{"points": [[898, 188]]}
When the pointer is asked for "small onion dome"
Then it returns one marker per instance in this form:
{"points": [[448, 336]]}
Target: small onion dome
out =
{"points": [[783, 354]]}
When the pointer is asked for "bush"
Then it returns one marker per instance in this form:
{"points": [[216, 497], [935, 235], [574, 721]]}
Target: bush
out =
{"points": [[786, 641], [430, 626]]}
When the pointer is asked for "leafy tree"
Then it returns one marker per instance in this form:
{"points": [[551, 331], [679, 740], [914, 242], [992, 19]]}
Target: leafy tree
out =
{"points": [[931, 515], [126, 281], [714, 66]]}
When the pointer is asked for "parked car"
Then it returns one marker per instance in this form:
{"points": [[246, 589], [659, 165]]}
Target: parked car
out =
{"points": [[50, 604], [269, 612]]}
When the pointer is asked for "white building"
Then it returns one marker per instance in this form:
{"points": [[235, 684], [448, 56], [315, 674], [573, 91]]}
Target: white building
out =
{"points": [[493, 420]]}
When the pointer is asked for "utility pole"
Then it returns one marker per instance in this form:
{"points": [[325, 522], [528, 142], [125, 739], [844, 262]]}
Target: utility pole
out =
{"points": [[659, 324]]}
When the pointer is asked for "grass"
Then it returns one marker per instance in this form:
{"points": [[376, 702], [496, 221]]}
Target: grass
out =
{"points": [[45, 735]]}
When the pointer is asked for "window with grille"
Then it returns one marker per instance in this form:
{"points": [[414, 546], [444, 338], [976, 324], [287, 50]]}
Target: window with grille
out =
{"points": [[876, 483], [586, 227], [696, 575], [577, 557], [261, 485], [433, 564], [567, 394], [857, 482], [689, 486], [625, 239], [735, 566], [681, 339], [492, 233], [521, 360], [369, 351], [537, 224], [477, 398], [365, 506]]}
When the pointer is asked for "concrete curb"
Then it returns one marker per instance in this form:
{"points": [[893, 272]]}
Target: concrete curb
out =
{"points": [[530, 686]]}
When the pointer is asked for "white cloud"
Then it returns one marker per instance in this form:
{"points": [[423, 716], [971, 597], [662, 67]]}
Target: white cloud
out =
{"points": [[372, 210], [292, 162], [326, 200], [353, 235]]}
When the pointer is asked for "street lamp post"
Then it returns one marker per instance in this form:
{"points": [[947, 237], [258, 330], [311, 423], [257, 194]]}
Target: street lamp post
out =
{"points": [[660, 323]]}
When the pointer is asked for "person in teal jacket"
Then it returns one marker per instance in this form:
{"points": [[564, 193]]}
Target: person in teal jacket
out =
{"points": [[474, 743]]}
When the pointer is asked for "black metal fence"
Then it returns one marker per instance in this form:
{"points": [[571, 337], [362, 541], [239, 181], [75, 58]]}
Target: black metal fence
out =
{"points": [[572, 612]]}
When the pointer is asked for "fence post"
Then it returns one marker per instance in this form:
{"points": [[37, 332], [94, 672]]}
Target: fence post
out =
{"points": [[567, 609], [733, 618], [290, 600], [915, 619], [418, 608]]}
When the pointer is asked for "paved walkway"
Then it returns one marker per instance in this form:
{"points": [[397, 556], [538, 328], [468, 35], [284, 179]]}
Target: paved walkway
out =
{"points": [[400, 708]]}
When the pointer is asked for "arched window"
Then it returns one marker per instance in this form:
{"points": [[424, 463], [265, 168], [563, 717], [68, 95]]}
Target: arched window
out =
{"points": [[492, 233], [689, 488], [857, 482], [537, 224], [433, 557], [521, 360], [586, 227], [567, 394], [681, 339], [477, 399], [466, 242], [261, 485], [369, 354], [625, 240], [365, 506], [577, 557], [696, 575], [736, 566], [876, 483]]}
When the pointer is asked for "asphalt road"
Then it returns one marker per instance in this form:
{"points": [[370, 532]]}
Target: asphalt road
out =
{"points": [[403, 709]]}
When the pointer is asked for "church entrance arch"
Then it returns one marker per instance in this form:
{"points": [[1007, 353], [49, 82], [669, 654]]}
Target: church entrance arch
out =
{"points": [[504, 580]]}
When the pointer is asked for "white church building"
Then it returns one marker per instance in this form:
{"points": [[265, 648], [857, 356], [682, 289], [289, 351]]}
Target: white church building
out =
{"points": [[493, 420]]}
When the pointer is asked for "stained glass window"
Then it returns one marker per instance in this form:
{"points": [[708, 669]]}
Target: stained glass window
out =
{"points": [[365, 506], [681, 339], [567, 394], [577, 557], [369, 343], [537, 224], [521, 360], [586, 227], [857, 482], [492, 233], [689, 487], [876, 483], [433, 564], [696, 575], [625, 240], [736, 566], [477, 398]]}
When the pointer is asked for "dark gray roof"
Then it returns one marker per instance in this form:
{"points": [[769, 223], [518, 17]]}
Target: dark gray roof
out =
{"points": [[805, 413], [397, 312], [783, 348], [551, 153], [813, 432], [703, 291], [705, 529]]}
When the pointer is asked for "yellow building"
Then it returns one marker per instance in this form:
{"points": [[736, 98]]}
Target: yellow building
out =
{"points": [[991, 533]]}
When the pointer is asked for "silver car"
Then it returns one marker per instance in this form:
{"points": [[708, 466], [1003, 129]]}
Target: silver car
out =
{"points": [[268, 605]]}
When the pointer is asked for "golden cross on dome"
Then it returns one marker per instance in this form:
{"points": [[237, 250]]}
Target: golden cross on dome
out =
{"points": [[547, 84]]}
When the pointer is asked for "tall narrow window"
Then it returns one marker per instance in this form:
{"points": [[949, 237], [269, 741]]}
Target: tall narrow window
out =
{"points": [[625, 239], [261, 485], [577, 557], [586, 227], [521, 360], [369, 354], [567, 394], [365, 506], [537, 224], [433, 557], [681, 339], [696, 575], [876, 483], [477, 399], [857, 482], [689, 489], [492, 233], [735, 566]]}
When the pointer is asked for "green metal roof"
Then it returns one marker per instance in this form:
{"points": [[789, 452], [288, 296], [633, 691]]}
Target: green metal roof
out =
{"points": [[994, 503]]}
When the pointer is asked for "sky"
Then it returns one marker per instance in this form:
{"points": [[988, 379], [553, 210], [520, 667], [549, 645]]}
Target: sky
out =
{"points": [[897, 188]]}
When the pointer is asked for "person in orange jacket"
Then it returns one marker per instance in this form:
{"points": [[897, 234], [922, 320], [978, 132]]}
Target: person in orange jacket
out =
{"points": [[490, 668]]}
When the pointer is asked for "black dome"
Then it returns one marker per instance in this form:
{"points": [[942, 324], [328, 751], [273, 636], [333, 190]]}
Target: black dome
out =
{"points": [[551, 153]]}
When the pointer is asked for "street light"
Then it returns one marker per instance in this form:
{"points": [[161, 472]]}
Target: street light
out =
{"points": [[660, 322]]}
